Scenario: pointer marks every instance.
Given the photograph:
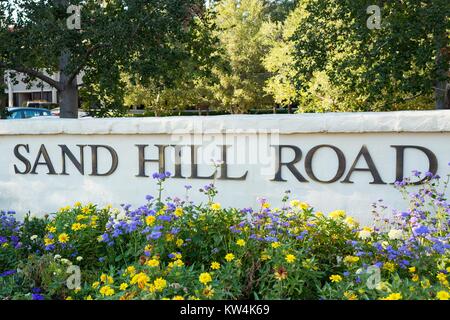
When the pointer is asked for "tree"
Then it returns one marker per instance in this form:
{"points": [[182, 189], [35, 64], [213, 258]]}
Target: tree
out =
{"points": [[139, 37], [405, 59], [241, 75], [191, 78]]}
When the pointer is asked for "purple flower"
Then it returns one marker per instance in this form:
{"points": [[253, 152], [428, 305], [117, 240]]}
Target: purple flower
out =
{"points": [[421, 230], [164, 217], [37, 296], [149, 197], [155, 235], [8, 273]]}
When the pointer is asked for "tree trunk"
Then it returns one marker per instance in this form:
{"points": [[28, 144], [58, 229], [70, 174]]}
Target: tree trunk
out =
{"points": [[68, 101], [68, 95], [441, 90]]}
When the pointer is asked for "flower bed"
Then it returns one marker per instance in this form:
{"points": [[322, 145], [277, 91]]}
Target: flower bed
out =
{"points": [[175, 249]]}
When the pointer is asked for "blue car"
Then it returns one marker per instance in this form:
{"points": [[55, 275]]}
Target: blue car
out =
{"points": [[26, 113]]}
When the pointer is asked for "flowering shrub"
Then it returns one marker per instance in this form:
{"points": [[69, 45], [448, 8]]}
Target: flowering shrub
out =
{"points": [[9, 241], [175, 249], [410, 249], [72, 232]]}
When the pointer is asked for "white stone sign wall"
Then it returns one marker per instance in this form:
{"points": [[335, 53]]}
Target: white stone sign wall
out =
{"points": [[332, 161]]}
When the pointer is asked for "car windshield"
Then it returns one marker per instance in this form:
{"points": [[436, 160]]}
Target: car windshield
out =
{"points": [[15, 114], [26, 114]]}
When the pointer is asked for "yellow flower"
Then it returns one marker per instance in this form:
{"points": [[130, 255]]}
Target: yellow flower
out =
{"points": [[178, 212], [205, 278], [393, 296], [170, 237], [335, 278], [415, 278], [290, 258], [176, 263], [178, 298], [265, 257], [106, 279], [81, 217], [295, 203], [123, 286], [216, 206], [51, 229], [425, 283], [179, 242], [240, 243], [64, 209], [350, 295], [229, 257], [95, 285], [351, 259], [412, 269], [208, 292], [76, 226], [177, 255], [151, 288], [389, 266], [276, 245], [349, 221], [86, 210], [266, 205], [215, 265], [89, 297], [150, 220], [48, 241], [69, 298], [63, 238], [337, 214], [159, 284], [77, 204], [281, 274], [443, 295], [441, 277], [107, 291], [152, 263], [141, 279]]}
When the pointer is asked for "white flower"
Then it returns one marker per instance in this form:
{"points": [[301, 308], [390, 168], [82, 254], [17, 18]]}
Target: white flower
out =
{"points": [[66, 261], [395, 234], [33, 237], [364, 234], [79, 258], [57, 257]]}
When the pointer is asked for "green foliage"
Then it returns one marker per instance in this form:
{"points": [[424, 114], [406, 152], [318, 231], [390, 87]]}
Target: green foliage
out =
{"points": [[137, 37], [376, 69], [174, 248], [241, 76]]}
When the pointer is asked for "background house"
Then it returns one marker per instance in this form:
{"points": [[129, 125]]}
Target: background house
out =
{"points": [[20, 91]]}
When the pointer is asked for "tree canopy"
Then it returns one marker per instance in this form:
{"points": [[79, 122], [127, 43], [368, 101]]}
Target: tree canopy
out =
{"points": [[135, 36], [234, 55]]}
